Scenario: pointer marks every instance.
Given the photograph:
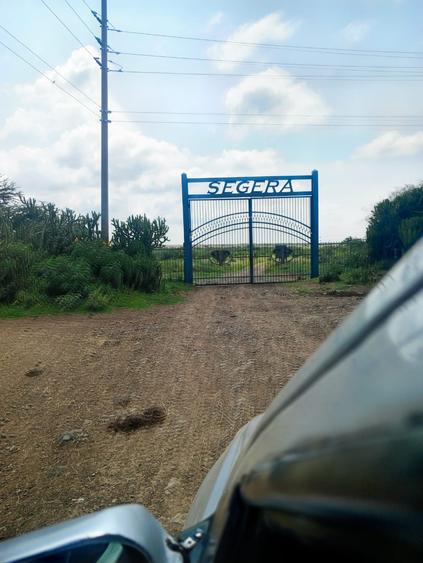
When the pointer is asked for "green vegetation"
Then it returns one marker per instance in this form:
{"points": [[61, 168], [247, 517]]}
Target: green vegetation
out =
{"points": [[348, 262], [99, 300], [54, 260], [395, 225]]}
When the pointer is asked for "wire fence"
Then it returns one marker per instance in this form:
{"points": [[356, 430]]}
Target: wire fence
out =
{"points": [[335, 258]]}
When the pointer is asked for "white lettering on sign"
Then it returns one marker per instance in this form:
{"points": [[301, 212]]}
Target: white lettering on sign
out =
{"points": [[249, 187]]}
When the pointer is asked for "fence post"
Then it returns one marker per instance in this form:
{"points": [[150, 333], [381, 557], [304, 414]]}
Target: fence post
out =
{"points": [[314, 224], [187, 231]]}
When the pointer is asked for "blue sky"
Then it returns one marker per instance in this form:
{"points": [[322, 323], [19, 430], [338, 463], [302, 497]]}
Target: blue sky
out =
{"points": [[49, 144]]}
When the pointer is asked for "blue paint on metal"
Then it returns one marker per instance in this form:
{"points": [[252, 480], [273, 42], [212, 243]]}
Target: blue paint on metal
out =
{"points": [[248, 189], [250, 239], [249, 196], [187, 230], [314, 224], [247, 179], [243, 213]]}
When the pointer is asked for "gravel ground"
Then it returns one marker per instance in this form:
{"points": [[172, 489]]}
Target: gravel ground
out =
{"points": [[135, 406]]}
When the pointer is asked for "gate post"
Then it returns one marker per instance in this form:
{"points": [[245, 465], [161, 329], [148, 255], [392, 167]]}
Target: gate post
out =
{"points": [[250, 238], [187, 231], [314, 224]]}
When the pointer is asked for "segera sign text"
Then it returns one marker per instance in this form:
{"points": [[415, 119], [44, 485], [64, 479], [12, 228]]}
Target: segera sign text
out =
{"points": [[249, 187]]}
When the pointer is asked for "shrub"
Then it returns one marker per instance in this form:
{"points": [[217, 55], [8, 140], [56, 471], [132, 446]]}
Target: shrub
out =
{"points": [[97, 300], [28, 298], [367, 275], [69, 302], [16, 261], [95, 253], [141, 272], [138, 234], [150, 274], [395, 224], [112, 274], [63, 275], [330, 276]]}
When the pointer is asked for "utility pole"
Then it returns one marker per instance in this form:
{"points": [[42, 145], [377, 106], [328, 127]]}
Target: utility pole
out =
{"points": [[104, 127]]}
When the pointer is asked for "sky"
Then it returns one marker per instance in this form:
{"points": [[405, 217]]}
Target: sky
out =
{"points": [[328, 92]]}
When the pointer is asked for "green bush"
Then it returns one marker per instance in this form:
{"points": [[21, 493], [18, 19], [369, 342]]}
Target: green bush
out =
{"points": [[117, 268], [331, 275], [361, 275], [30, 297], [64, 275], [141, 272], [97, 300], [150, 274], [95, 253], [395, 224], [16, 260], [138, 234], [69, 302], [112, 274]]}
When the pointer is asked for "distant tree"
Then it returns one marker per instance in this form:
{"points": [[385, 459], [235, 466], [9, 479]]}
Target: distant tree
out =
{"points": [[9, 193], [395, 224]]}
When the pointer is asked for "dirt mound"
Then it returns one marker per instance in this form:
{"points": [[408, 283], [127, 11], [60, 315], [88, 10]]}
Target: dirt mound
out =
{"points": [[131, 422]]}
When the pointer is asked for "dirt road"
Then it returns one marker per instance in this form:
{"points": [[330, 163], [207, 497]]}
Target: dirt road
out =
{"points": [[211, 363]]}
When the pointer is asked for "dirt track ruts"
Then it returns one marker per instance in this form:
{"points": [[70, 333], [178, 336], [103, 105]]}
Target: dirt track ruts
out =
{"points": [[211, 362]]}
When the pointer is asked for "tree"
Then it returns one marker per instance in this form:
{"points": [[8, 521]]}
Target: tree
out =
{"points": [[139, 234], [395, 224], [9, 193]]}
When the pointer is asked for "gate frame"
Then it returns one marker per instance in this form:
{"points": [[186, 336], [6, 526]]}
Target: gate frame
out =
{"points": [[312, 194]]}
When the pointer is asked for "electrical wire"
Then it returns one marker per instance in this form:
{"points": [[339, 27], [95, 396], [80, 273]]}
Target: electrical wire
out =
{"points": [[327, 50], [68, 28], [336, 116], [47, 77], [50, 66], [80, 18], [374, 68], [407, 78], [86, 3], [258, 124]]}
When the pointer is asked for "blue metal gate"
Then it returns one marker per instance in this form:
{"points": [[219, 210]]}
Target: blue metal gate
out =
{"points": [[250, 230]]}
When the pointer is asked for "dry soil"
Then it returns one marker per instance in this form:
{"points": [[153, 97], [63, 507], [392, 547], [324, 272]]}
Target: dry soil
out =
{"points": [[190, 375]]}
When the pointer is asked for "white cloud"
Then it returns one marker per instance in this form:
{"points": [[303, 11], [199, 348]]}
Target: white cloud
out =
{"points": [[356, 31], [277, 97], [51, 149], [392, 143], [269, 29], [215, 19]]}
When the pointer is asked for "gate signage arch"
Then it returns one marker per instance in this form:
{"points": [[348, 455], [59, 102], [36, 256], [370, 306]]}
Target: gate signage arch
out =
{"points": [[250, 229]]}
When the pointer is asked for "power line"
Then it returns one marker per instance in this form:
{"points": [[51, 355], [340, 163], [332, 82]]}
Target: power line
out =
{"points": [[268, 63], [328, 50], [259, 124], [411, 78], [86, 3], [67, 27], [47, 77], [50, 66], [336, 116], [80, 18]]}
